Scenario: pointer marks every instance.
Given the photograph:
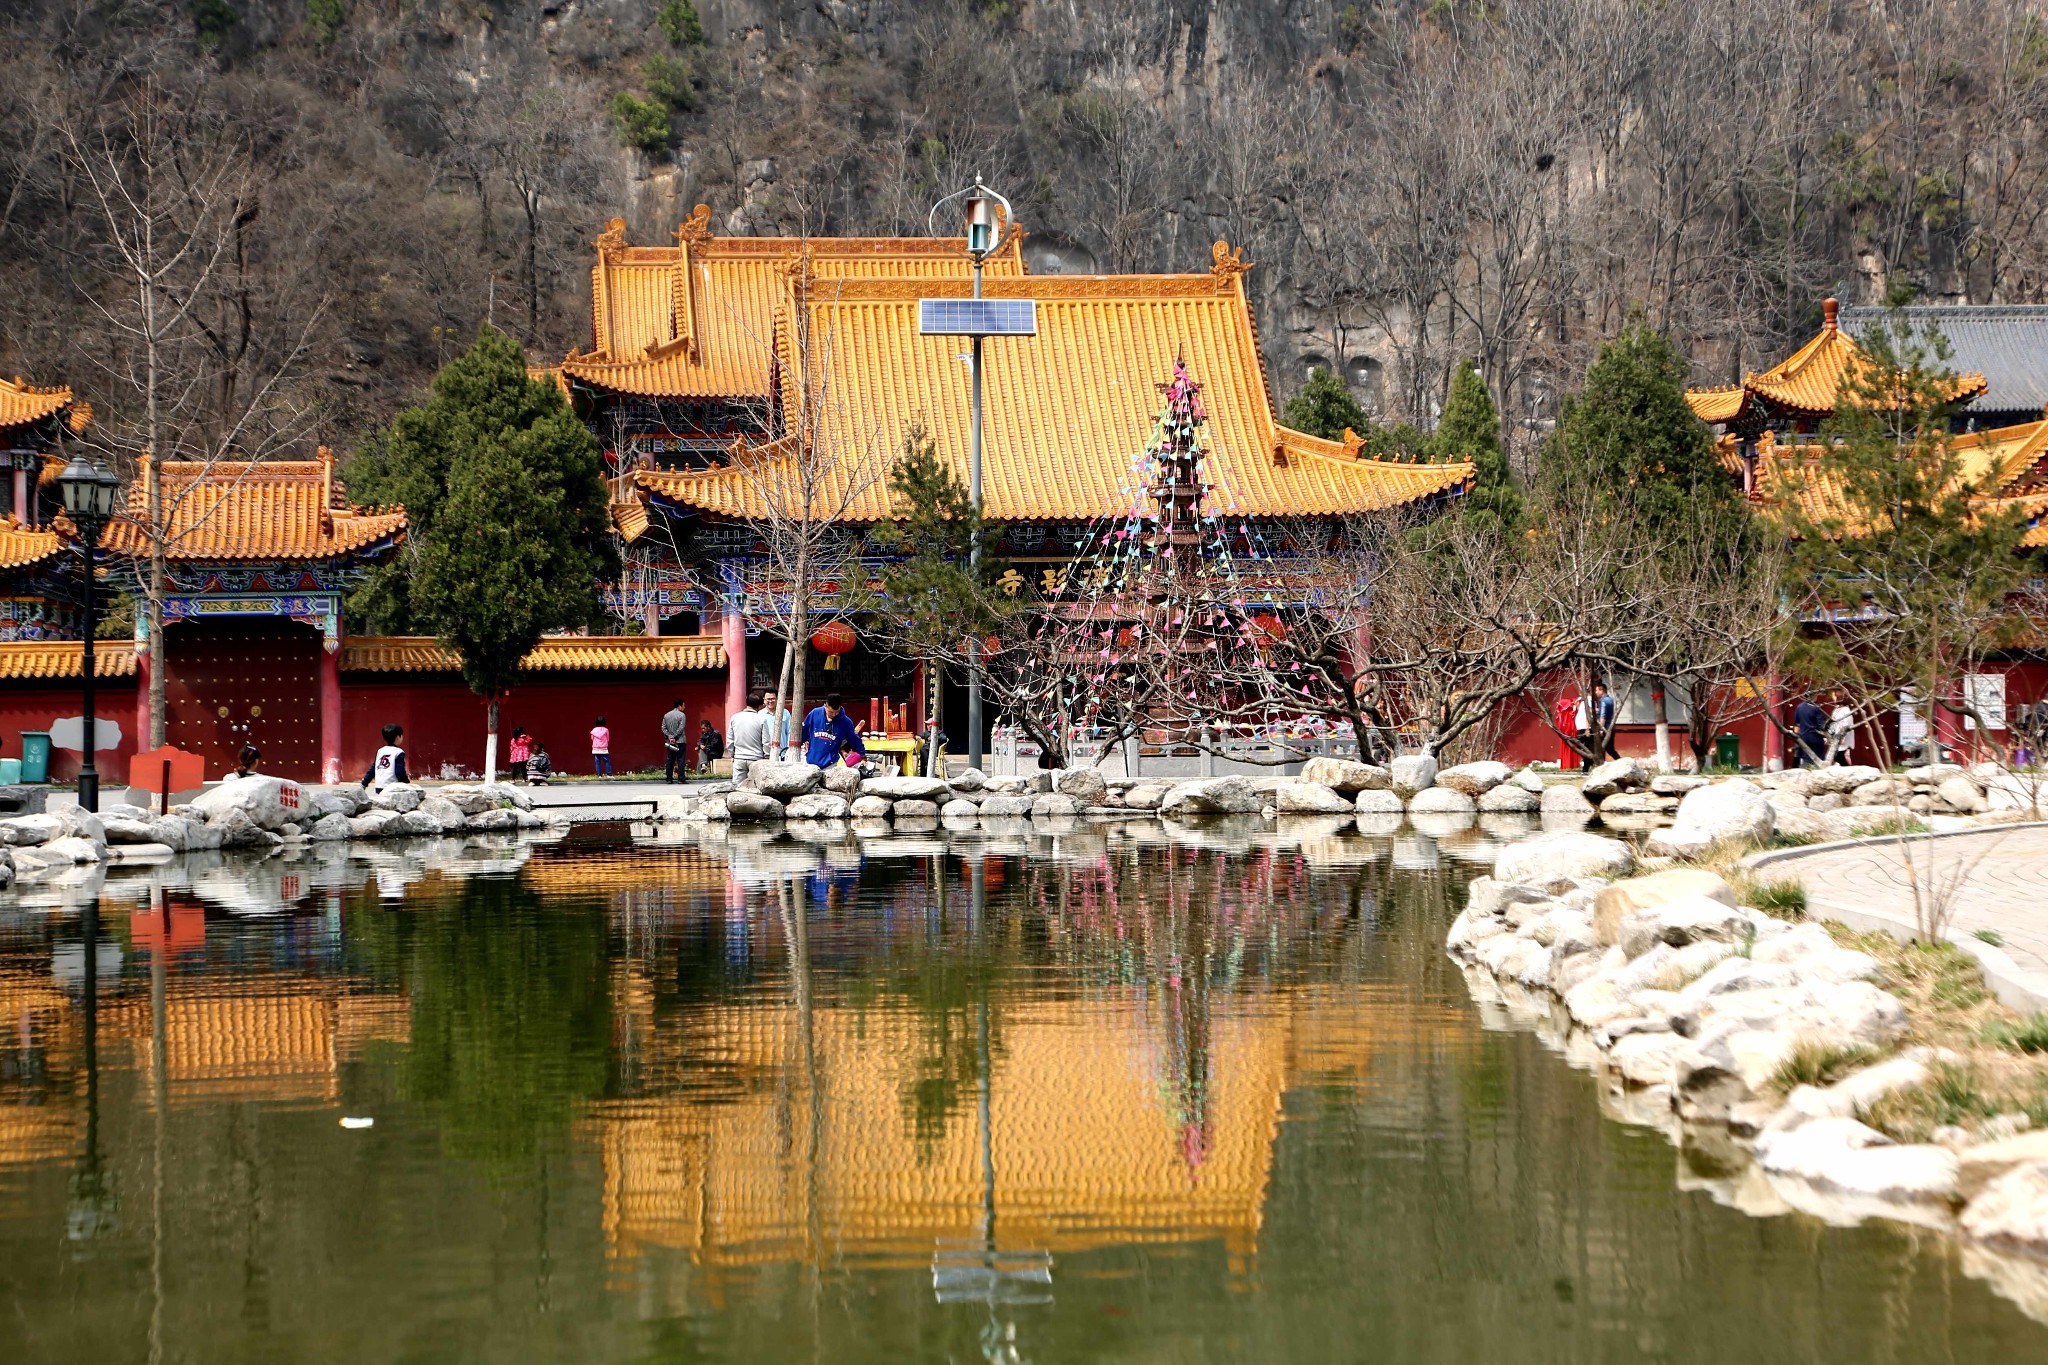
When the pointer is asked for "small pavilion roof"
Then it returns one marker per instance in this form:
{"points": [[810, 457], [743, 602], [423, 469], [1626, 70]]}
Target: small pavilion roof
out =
{"points": [[22, 404], [698, 319], [265, 510], [1067, 412], [1803, 385]]}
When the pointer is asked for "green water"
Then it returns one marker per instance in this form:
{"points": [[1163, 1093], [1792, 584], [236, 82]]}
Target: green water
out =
{"points": [[1032, 1099]]}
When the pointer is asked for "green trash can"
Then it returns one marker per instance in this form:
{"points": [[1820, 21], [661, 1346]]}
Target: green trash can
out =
{"points": [[35, 755], [1727, 752]]}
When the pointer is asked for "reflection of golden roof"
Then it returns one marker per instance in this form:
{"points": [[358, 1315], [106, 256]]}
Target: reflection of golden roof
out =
{"points": [[699, 319], [425, 654], [1066, 411], [676, 870], [66, 658], [1805, 384], [280, 1039], [21, 404], [273, 509], [1088, 1147]]}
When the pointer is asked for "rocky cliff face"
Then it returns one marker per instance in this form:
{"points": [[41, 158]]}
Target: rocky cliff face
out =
{"points": [[1417, 185]]}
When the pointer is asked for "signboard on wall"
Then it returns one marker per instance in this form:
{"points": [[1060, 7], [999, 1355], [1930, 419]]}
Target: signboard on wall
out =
{"points": [[1912, 725], [1984, 695]]}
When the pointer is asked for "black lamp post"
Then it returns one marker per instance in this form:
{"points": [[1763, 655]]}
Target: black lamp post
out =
{"points": [[91, 492]]}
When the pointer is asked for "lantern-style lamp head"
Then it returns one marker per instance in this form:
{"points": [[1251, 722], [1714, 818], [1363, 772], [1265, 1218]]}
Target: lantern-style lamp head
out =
{"points": [[981, 221], [90, 490]]}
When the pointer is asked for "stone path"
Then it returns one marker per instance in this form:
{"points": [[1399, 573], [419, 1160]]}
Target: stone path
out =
{"points": [[2003, 887]]}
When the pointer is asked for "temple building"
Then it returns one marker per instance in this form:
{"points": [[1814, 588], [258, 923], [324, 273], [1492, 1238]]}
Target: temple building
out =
{"points": [[717, 345], [259, 559]]}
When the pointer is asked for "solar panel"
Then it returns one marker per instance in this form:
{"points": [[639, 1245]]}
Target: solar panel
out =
{"points": [[977, 317]]}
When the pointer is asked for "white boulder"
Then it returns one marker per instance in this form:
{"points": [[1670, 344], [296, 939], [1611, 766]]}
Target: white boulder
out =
{"points": [[1212, 796], [1345, 775], [1562, 855], [825, 805], [1378, 801], [1412, 773], [779, 782], [906, 788], [1475, 779], [745, 806], [267, 801], [1310, 798], [1441, 801], [1509, 798], [1617, 775], [997, 806], [1085, 785], [1734, 811], [1054, 803], [399, 796]]}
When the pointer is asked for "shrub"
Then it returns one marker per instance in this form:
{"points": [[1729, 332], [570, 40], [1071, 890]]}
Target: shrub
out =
{"points": [[2025, 1035], [671, 81], [1990, 936], [639, 123], [679, 23], [324, 19], [214, 19], [1814, 1063]]}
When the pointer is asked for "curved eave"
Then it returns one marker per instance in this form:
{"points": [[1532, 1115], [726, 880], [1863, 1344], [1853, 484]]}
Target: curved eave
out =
{"points": [[66, 659], [587, 654]]}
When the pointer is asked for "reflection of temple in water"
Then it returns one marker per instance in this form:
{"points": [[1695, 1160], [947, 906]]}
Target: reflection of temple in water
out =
{"points": [[1145, 1108]]}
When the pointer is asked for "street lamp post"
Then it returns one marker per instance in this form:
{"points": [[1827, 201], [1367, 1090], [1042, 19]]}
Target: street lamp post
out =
{"points": [[984, 238], [90, 491]]}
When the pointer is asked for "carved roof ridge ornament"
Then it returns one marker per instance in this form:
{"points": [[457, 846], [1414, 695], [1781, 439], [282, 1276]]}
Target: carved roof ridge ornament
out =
{"points": [[695, 228], [1226, 264], [613, 238]]}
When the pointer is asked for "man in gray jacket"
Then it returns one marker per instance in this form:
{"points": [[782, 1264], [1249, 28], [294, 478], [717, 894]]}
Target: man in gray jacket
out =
{"points": [[747, 732], [675, 737]]}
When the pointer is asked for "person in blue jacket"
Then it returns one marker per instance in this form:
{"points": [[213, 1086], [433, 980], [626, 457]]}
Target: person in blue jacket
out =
{"points": [[829, 732]]}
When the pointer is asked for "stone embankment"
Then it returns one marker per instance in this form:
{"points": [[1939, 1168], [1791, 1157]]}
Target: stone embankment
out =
{"points": [[1702, 1014], [256, 813]]}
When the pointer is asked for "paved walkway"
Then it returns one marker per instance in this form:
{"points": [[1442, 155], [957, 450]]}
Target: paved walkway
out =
{"points": [[2003, 877]]}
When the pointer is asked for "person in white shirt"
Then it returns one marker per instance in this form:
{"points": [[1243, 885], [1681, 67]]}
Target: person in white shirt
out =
{"points": [[748, 735], [388, 767]]}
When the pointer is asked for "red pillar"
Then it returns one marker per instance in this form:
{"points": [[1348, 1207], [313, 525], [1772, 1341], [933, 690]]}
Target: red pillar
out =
{"points": [[1774, 736], [24, 510], [145, 659], [330, 711], [735, 629]]}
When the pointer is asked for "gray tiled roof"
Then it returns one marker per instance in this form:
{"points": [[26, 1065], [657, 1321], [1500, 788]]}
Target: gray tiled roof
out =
{"points": [[2006, 343]]}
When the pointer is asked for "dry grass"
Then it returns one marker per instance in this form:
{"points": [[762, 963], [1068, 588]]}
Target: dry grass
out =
{"points": [[1948, 1006]]}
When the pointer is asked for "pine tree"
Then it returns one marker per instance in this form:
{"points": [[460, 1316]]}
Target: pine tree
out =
{"points": [[1470, 430], [1324, 407], [507, 516], [934, 600], [1628, 437]]}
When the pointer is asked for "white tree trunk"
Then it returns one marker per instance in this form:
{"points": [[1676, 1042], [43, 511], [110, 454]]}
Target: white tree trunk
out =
{"points": [[491, 741], [1663, 731]]}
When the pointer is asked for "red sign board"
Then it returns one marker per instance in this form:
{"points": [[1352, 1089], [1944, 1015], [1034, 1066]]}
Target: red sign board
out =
{"points": [[167, 770]]}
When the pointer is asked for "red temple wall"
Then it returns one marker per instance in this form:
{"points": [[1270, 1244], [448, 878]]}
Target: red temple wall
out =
{"points": [[37, 704], [444, 720]]}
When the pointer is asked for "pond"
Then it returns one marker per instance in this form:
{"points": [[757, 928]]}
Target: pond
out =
{"points": [[1210, 1095]]}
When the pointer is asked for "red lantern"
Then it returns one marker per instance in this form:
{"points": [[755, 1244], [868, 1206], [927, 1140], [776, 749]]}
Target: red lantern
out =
{"points": [[833, 639], [1270, 627]]}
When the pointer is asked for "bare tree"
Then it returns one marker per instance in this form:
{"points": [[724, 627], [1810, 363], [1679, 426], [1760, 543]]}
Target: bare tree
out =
{"points": [[175, 187]]}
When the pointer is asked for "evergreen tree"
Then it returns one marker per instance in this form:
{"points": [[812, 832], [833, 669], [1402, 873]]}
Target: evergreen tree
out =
{"points": [[507, 516], [935, 600], [1324, 407], [1629, 438], [1470, 430]]}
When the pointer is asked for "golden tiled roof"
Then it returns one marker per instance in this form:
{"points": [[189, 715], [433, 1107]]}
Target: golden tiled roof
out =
{"points": [[2005, 465], [21, 404], [1067, 412], [1806, 383], [65, 659], [21, 545], [425, 654], [698, 319], [629, 515], [273, 509]]}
